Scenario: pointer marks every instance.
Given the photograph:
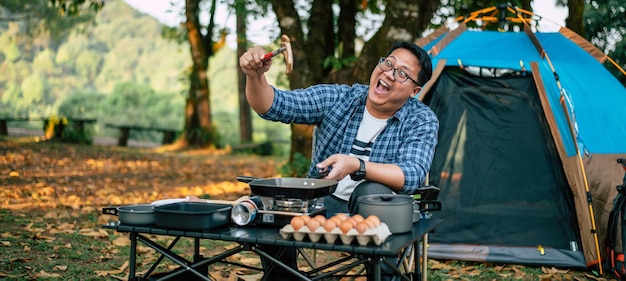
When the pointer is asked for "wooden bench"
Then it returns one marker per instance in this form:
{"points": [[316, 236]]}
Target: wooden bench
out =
{"points": [[169, 135], [4, 128], [79, 124]]}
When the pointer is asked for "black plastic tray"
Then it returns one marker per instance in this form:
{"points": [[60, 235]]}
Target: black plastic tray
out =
{"points": [[192, 215]]}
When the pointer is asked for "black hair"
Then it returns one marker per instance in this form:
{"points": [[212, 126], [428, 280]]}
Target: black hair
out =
{"points": [[425, 64]]}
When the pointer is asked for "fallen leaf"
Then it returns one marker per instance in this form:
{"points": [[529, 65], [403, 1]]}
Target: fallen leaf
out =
{"points": [[43, 274], [93, 232], [252, 277], [591, 276], [51, 215], [553, 270], [250, 261], [440, 266], [121, 241], [144, 249], [121, 269], [67, 246], [39, 236]]}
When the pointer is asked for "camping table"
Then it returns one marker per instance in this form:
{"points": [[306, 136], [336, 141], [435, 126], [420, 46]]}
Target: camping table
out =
{"points": [[250, 237]]}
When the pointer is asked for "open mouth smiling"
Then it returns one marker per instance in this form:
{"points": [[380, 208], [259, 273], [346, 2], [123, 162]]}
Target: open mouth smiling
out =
{"points": [[382, 86]]}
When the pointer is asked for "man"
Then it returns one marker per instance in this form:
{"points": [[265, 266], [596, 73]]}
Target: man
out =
{"points": [[373, 139]]}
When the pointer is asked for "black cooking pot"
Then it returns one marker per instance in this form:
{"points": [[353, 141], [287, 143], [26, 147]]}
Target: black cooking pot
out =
{"points": [[395, 210], [302, 188], [140, 214]]}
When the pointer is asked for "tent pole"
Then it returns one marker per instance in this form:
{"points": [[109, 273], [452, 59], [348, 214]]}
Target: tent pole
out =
{"points": [[584, 175], [580, 163]]}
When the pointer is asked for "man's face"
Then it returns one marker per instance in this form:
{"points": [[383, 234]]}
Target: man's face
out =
{"points": [[386, 94]]}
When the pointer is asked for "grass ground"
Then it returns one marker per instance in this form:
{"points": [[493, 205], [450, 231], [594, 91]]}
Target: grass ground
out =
{"points": [[52, 194]]}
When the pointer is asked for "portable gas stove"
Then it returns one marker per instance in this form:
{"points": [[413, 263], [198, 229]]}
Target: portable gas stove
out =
{"points": [[276, 201]]}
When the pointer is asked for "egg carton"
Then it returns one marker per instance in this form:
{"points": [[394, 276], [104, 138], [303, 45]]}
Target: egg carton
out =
{"points": [[375, 235]]}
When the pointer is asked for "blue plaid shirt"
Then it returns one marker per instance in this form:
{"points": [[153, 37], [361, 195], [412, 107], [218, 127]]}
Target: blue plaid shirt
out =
{"points": [[408, 141]]}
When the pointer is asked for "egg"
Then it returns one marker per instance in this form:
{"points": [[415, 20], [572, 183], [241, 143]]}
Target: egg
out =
{"points": [[345, 226], [329, 225], [341, 216], [374, 219], [306, 218], [313, 224], [370, 223], [358, 218], [362, 227], [320, 218], [336, 220], [352, 221], [297, 223]]}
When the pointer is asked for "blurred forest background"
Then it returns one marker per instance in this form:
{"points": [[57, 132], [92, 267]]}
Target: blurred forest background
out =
{"points": [[118, 70], [117, 67]]}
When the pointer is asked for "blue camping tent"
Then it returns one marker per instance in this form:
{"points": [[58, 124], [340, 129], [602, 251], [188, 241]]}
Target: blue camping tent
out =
{"points": [[527, 120]]}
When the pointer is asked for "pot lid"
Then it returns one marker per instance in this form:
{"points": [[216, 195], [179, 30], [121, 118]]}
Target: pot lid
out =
{"points": [[386, 199]]}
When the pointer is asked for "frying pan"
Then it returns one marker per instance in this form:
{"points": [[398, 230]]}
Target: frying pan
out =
{"points": [[139, 214], [302, 188]]}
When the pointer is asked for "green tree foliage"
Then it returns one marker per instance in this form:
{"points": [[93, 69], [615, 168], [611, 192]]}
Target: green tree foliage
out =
{"points": [[132, 103], [44, 62], [9, 99], [9, 43], [44, 22], [136, 104], [120, 71], [125, 98], [87, 65], [86, 104], [35, 93], [605, 27]]}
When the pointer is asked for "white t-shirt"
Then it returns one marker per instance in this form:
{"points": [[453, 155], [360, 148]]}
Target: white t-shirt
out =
{"points": [[369, 129]]}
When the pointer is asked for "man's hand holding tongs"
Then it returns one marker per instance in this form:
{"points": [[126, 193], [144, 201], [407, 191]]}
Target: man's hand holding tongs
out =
{"points": [[257, 61]]}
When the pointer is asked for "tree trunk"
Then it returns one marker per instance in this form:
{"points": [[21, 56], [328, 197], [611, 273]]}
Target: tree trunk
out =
{"points": [[198, 129], [346, 35], [346, 32], [245, 117], [575, 19], [307, 66], [404, 21]]}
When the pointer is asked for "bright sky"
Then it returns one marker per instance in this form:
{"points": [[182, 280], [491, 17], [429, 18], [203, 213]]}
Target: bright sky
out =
{"points": [[259, 34]]}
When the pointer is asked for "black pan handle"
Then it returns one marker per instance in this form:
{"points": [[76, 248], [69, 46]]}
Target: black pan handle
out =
{"points": [[320, 173], [110, 211], [246, 179], [429, 205]]}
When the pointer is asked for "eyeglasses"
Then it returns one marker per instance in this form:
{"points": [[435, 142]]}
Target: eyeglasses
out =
{"points": [[400, 75]]}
